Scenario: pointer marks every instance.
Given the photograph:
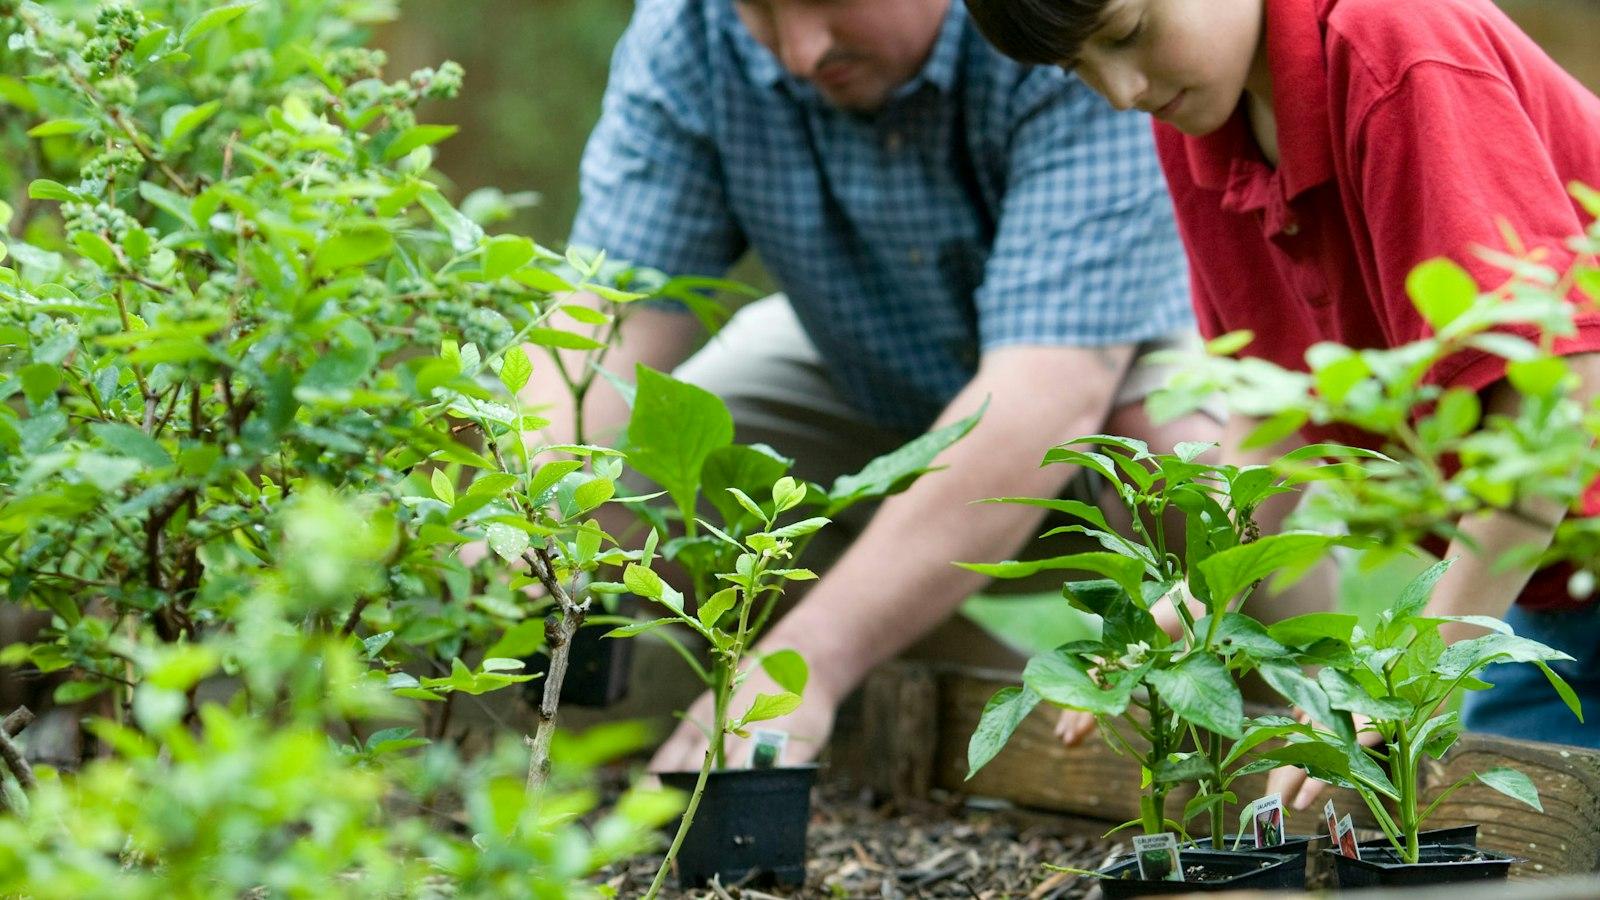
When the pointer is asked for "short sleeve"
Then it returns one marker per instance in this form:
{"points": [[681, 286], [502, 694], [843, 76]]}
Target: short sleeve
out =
{"points": [[651, 185], [1442, 162], [1085, 252]]}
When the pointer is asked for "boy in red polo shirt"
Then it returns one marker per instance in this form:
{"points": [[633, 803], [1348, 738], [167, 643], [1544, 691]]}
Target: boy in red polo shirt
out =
{"points": [[1317, 151]]}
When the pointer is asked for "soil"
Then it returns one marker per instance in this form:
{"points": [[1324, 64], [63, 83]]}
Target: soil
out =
{"points": [[943, 848]]}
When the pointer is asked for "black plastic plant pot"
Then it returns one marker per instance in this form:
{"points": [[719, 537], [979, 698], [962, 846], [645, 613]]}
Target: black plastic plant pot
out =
{"points": [[1296, 846], [1461, 834], [750, 828], [598, 668], [1437, 864], [1228, 871]]}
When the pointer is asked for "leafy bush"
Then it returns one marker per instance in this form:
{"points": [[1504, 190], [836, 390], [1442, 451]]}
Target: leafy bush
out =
{"points": [[261, 380]]}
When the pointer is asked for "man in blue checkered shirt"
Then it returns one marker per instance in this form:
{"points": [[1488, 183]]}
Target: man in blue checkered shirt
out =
{"points": [[947, 227]]}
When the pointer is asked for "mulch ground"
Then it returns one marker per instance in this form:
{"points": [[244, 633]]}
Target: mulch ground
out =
{"points": [[943, 849]]}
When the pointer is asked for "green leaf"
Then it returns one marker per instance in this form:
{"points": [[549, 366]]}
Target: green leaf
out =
{"points": [[787, 669], [212, 20], [638, 628], [1538, 377], [1568, 696], [674, 428], [717, 606], [45, 189], [1181, 767], [167, 201], [1124, 570], [752, 469], [39, 381], [1441, 291], [520, 640], [770, 706], [800, 528], [179, 121], [515, 370], [895, 471], [417, 136], [748, 504], [1513, 784], [55, 128], [1062, 679], [1200, 690], [1414, 596], [351, 247], [1305, 694], [510, 543], [1004, 712], [643, 581], [1299, 631], [1464, 657], [442, 488], [504, 254], [464, 233], [1345, 693], [1229, 572], [1230, 343], [96, 249], [1075, 508], [1240, 633], [787, 494], [592, 493]]}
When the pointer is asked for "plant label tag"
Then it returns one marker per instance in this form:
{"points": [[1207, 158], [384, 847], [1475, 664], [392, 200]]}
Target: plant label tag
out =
{"points": [[1333, 822], [767, 751], [1267, 813], [1158, 857], [1347, 838]]}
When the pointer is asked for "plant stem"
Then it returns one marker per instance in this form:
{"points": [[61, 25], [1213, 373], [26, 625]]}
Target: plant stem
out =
{"points": [[558, 636], [1218, 814], [683, 827]]}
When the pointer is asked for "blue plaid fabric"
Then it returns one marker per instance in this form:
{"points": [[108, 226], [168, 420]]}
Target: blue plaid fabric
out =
{"points": [[988, 204]]}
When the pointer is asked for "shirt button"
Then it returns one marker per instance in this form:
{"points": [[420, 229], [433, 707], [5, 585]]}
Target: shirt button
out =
{"points": [[916, 257], [1292, 229], [893, 141]]}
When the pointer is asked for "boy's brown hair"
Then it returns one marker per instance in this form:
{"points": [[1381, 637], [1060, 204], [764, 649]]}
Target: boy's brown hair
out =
{"points": [[1042, 32]]}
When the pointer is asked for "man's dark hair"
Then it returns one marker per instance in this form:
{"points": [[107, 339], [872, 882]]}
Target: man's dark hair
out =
{"points": [[1042, 32]]}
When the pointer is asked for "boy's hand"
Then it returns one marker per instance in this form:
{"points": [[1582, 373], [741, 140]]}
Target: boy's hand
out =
{"points": [[1293, 780], [1073, 726]]}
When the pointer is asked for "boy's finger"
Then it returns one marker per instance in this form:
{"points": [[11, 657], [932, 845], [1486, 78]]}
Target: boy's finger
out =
{"points": [[1309, 793]]}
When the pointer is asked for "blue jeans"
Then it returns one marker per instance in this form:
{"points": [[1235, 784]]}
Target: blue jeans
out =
{"points": [[1522, 703]]}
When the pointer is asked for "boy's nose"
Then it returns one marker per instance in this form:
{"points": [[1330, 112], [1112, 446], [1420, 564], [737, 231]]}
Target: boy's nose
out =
{"points": [[1127, 89]]}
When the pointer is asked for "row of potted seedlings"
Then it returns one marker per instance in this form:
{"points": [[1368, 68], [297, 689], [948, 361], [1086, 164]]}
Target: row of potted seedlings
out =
{"points": [[1168, 697]]}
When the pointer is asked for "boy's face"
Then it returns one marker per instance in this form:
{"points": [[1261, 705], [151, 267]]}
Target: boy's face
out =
{"points": [[855, 52], [1187, 62]]}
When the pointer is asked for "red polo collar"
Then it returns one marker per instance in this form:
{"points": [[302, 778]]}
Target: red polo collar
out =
{"points": [[1228, 159]]}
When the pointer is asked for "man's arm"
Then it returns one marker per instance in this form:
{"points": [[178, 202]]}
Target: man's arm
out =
{"points": [[897, 581]]}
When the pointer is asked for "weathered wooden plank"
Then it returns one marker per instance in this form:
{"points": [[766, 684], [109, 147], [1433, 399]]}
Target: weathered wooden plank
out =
{"points": [[901, 707], [1564, 839]]}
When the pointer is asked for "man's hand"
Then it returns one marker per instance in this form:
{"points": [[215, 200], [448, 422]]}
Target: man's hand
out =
{"points": [[808, 728]]}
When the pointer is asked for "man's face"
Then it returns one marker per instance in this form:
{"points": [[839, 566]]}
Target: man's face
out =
{"points": [[855, 52], [1187, 62]]}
